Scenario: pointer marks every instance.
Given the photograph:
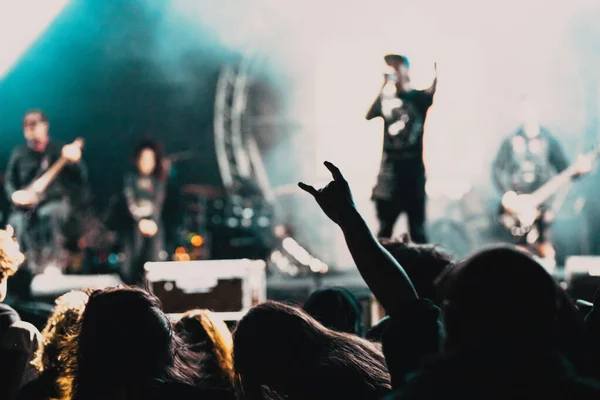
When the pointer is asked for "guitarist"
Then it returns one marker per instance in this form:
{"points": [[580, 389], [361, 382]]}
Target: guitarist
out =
{"points": [[527, 159], [27, 163]]}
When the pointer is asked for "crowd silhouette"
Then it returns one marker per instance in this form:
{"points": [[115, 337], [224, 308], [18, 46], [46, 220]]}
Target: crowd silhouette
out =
{"points": [[495, 325]]}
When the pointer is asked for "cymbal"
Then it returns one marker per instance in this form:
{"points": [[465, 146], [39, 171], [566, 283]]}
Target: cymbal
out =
{"points": [[209, 192]]}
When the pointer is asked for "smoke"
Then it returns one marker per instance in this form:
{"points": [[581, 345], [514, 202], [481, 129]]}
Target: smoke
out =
{"points": [[327, 60]]}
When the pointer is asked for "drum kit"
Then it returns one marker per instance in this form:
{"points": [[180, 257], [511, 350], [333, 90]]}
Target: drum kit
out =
{"points": [[226, 224]]}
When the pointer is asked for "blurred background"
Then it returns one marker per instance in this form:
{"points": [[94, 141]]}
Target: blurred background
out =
{"points": [[263, 91]]}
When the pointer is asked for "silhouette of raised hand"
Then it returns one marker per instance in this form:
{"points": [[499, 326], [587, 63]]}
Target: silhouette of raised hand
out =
{"points": [[335, 199]]}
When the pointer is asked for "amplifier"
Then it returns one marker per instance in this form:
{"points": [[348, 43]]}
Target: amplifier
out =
{"points": [[227, 287], [582, 276]]}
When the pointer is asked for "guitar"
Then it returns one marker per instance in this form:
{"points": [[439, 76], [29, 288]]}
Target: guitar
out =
{"points": [[31, 196], [519, 212]]}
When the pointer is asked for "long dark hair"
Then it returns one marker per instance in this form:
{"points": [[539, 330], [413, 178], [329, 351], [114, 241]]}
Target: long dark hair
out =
{"points": [[159, 155], [125, 341], [281, 352], [210, 340]]}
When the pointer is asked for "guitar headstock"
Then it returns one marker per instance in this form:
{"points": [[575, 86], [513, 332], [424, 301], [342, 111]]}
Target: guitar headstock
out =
{"points": [[79, 142]]}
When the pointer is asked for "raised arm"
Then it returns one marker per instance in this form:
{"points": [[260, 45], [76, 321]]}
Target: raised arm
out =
{"points": [[431, 89], [382, 273], [374, 110]]}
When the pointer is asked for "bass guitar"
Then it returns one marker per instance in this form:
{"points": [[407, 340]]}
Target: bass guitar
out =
{"points": [[519, 212], [31, 196]]}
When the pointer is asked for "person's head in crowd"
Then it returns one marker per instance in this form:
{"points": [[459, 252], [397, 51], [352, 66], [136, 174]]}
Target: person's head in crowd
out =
{"points": [[335, 308], [18, 339], [125, 341], [209, 337], [375, 332], [500, 296], [423, 263], [11, 259], [281, 352], [60, 329], [149, 158]]}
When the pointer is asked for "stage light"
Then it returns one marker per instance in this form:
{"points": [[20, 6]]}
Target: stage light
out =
{"points": [[113, 258], [293, 270], [232, 222], [296, 251], [247, 213], [180, 250], [263, 222], [197, 240], [276, 256], [317, 266], [182, 257], [21, 22]]}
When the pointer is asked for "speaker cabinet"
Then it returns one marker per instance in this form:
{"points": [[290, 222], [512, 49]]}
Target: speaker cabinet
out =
{"points": [[227, 287]]}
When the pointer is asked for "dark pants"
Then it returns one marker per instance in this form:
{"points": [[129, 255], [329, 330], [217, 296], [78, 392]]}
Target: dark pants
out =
{"points": [[41, 234], [413, 203], [139, 250]]}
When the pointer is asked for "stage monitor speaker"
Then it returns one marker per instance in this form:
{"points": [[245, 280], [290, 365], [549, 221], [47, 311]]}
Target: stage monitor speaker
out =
{"points": [[53, 283], [227, 287], [582, 276]]}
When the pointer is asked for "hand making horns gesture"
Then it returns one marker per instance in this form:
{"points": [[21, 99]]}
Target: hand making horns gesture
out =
{"points": [[335, 199]]}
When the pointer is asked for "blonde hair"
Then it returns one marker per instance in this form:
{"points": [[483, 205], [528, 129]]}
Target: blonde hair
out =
{"points": [[11, 256], [217, 332], [58, 335]]}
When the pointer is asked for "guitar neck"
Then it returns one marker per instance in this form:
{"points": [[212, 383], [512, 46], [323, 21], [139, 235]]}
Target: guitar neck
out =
{"points": [[41, 184], [553, 185]]}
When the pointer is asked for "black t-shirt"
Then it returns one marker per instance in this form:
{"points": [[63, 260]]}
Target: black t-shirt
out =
{"points": [[144, 193], [18, 343], [524, 164], [8, 316], [402, 160], [26, 165]]}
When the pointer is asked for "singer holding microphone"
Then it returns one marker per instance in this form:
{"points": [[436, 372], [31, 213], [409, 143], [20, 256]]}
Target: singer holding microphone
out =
{"points": [[401, 180]]}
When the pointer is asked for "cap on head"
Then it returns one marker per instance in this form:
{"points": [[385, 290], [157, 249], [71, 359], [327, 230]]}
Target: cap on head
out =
{"points": [[396, 58]]}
